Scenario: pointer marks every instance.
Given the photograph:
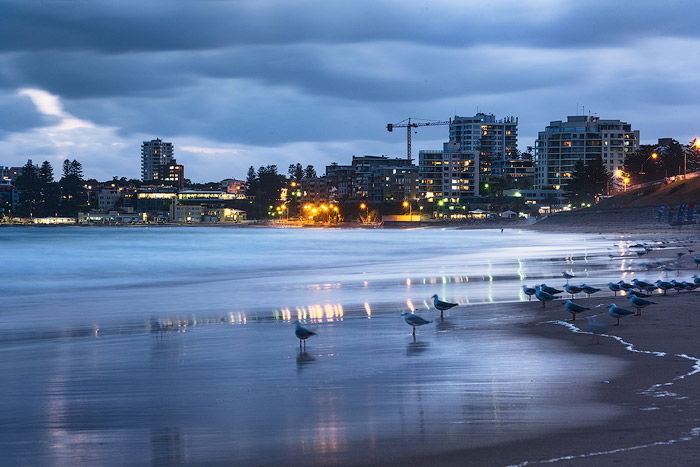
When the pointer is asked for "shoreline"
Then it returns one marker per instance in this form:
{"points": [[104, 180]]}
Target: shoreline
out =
{"points": [[658, 394]]}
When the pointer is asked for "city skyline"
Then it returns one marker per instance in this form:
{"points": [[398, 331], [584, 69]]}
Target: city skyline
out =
{"points": [[92, 82]]}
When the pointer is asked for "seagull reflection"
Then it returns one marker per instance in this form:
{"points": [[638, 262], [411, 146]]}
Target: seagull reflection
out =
{"points": [[416, 348], [304, 358], [443, 326]]}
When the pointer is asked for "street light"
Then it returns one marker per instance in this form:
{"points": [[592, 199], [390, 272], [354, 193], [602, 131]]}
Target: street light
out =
{"points": [[406, 204], [653, 156]]}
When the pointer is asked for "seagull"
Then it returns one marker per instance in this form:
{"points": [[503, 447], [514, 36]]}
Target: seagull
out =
{"points": [[550, 290], [615, 288], [414, 320], [572, 289], [696, 279], [696, 260], [596, 327], [617, 312], [442, 306], [574, 308], [677, 285], [529, 291], [567, 276], [588, 290], [640, 284], [302, 334], [625, 286], [690, 285], [543, 296], [639, 303]]}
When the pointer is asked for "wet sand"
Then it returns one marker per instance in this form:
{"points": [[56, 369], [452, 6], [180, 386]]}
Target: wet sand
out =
{"points": [[658, 393]]}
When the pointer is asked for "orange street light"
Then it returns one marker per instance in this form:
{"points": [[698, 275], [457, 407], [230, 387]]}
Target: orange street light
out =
{"points": [[405, 204], [363, 206], [654, 155], [696, 143]]}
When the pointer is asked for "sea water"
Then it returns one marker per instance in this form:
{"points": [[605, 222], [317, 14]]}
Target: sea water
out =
{"points": [[164, 345]]}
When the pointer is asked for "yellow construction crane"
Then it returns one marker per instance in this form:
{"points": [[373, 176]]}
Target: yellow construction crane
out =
{"points": [[412, 123]]}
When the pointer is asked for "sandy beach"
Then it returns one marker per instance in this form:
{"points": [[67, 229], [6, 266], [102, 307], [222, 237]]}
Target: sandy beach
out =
{"points": [[190, 358], [658, 392]]}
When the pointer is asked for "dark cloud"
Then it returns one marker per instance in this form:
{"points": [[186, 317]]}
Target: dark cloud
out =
{"points": [[18, 114], [283, 79], [158, 25]]}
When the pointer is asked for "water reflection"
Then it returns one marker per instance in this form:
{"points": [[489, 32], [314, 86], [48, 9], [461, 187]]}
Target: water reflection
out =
{"points": [[444, 326], [416, 347], [167, 446], [304, 358]]}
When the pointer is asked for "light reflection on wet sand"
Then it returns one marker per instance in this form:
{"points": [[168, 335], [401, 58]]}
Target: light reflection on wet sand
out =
{"points": [[210, 371]]}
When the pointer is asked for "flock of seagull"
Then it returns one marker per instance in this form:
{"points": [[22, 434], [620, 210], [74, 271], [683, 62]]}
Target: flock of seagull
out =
{"points": [[638, 293]]}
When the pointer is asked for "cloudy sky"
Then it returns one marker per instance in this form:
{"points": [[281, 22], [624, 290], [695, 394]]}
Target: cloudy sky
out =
{"points": [[240, 83]]}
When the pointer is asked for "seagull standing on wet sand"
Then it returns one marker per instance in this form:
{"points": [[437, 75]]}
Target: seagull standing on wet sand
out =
{"points": [[614, 288], [572, 289], [529, 291], [302, 334], [596, 327], [618, 312], [442, 306], [543, 296], [574, 308], [567, 276], [639, 303], [588, 290], [414, 321]]}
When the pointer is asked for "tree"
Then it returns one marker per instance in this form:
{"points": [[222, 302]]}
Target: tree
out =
{"points": [[309, 172], [588, 181], [46, 172], [71, 183], [298, 172], [251, 181], [29, 186]]}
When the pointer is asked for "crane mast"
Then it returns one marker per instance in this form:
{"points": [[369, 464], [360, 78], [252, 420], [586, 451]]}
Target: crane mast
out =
{"points": [[409, 124]]}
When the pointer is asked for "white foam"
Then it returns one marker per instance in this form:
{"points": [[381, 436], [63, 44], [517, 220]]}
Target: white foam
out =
{"points": [[694, 433], [653, 391]]}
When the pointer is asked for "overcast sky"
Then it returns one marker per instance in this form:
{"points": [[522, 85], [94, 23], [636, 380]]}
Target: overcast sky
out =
{"points": [[240, 83]]}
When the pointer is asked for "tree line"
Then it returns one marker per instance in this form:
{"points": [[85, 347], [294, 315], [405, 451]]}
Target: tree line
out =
{"points": [[42, 196]]}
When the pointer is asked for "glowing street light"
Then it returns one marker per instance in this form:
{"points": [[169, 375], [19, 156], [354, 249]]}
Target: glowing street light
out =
{"points": [[363, 206]]}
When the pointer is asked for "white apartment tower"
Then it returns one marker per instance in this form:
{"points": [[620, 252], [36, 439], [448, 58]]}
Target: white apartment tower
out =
{"points": [[155, 155], [476, 146], [580, 138]]}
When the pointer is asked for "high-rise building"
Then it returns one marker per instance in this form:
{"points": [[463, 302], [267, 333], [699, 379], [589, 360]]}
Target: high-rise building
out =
{"points": [[452, 173], [173, 174], [155, 154], [495, 140], [580, 138]]}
